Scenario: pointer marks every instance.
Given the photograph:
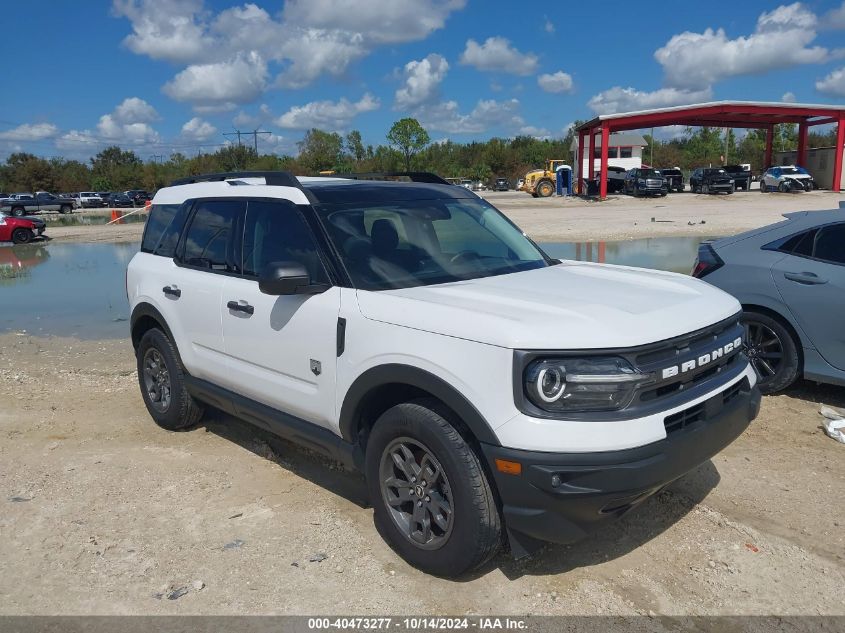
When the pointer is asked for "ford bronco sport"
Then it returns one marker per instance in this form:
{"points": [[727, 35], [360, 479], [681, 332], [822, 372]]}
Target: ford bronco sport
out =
{"points": [[490, 394]]}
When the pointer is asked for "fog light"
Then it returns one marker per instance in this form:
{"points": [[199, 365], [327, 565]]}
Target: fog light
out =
{"points": [[555, 481]]}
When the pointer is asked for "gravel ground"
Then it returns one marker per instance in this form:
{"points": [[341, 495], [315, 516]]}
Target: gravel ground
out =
{"points": [[573, 219], [103, 512]]}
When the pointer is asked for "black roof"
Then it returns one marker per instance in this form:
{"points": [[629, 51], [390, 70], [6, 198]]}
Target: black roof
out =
{"points": [[358, 191]]}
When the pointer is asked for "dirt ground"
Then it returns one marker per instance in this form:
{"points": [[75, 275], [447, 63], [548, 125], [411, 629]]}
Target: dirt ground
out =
{"points": [[103, 512], [574, 220]]}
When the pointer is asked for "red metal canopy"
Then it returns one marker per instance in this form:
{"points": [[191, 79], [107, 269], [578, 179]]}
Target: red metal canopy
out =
{"points": [[739, 114]]}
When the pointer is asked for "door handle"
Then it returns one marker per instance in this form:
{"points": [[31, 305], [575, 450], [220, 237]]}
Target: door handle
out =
{"points": [[172, 291], [240, 307], [805, 278]]}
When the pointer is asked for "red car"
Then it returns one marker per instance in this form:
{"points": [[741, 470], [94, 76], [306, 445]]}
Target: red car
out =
{"points": [[20, 230]]}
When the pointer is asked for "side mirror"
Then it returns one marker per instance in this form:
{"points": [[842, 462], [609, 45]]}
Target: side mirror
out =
{"points": [[287, 278]]}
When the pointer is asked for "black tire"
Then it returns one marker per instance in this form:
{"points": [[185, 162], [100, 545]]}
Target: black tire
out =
{"points": [[545, 189], [783, 187], [181, 410], [474, 526], [18, 212], [731, 190], [772, 350], [65, 208], [22, 236]]}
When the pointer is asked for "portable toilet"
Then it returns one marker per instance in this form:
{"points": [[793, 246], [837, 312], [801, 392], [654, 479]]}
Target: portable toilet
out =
{"points": [[563, 178]]}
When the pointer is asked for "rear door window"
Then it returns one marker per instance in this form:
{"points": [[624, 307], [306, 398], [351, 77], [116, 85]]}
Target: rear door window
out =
{"points": [[209, 242], [830, 244]]}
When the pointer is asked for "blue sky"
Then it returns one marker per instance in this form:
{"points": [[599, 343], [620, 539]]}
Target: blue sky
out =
{"points": [[160, 76]]}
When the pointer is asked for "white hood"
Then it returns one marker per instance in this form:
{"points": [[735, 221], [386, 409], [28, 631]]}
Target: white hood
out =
{"points": [[572, 305]]}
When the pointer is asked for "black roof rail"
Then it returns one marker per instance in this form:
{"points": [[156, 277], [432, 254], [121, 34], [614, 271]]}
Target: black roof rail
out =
{"points": [[413, 176], [277, 178]]}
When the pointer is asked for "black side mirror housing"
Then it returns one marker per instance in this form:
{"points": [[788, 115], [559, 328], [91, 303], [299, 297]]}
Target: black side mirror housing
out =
{"points": [[287, 278]]}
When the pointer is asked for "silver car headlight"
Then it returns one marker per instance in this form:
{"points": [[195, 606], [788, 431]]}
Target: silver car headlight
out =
{"points": [[569, 385]]}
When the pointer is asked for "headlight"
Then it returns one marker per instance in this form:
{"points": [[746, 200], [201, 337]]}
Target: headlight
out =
{"points": [[640, 181], [581, 384], [732, 181]]}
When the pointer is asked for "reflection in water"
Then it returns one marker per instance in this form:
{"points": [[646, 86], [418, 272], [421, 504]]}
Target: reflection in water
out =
{"points": [[675, 254], [65, 289], [79, 289], [118, 216]]}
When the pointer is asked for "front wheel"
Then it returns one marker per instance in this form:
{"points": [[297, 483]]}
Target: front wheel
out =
{"points": [[22, 236], [545, 189], [18, 212], [771, 350], [431, 498], [65, 208], [162, 380]]}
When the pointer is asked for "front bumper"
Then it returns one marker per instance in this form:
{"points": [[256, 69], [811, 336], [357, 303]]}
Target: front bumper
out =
{"points": [[720, 186], [563, 497]]}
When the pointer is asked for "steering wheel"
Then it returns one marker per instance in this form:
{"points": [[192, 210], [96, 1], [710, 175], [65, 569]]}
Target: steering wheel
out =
{"points": [[464, 256]]}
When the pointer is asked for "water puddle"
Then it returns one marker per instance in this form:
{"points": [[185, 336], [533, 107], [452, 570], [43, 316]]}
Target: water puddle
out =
{"points": [[119, 217], [78, 290]]}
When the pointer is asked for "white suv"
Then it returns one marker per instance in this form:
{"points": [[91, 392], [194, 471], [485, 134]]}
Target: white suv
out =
{"points": [[489, 393]]}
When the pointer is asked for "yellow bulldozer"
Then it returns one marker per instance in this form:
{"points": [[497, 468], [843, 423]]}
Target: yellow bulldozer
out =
{"points": [[541, 182]]}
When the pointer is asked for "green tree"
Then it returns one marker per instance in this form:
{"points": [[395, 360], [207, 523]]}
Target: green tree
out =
{"points": [[355, 146], [120, 168], [320, 151], [409, 137]]}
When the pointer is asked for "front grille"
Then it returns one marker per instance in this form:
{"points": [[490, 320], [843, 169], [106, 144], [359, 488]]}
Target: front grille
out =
{"points": [[683, 419]]}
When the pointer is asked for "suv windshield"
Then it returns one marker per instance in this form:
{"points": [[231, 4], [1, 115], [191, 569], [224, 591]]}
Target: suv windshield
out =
{"points": [[649, 173], [417, 243], [789, 170]]}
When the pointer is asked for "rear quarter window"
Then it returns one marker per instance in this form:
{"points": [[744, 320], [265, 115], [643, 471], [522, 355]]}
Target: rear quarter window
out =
{"points": [[161, 233]]}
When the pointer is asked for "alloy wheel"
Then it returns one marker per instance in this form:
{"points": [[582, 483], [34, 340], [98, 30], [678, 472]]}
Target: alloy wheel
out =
{"points": [[417, 493], [156, 380], [764, 350]]}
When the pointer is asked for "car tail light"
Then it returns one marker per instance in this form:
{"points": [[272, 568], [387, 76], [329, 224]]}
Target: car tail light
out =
{"points": [[707, 261]]}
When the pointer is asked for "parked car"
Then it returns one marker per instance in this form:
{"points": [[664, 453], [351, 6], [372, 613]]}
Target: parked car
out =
{"points": [[711, 180], [488, 392], [104, 197], [139, 197], [20, 204], [502, 184], [615, 179], [90, 199], [645, 182], [741, 175], [786, 178], [20, 230], [674, 178], [790, 279], [119, 200]]}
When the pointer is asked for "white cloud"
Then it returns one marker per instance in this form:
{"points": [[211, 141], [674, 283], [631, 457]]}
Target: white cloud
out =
{"points": [[198, 130], [446, 117], [788, 97], [30, 132], [555, 82], [782, 38], [422, 81], [537, 132], [834, 84], [326, 115], [835, 18], [307, 39], [135, 110], [618, 99], [497, 55], [220, 86], [548, 25]]}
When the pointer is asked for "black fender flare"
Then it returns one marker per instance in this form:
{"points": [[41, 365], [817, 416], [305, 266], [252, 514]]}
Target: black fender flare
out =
{"points": [[148, 310], [395, 373]]}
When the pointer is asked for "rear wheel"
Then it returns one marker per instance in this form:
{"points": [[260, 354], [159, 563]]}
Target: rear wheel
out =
{"points": [[18, 212], [65, 208], [162, 380], [22, 236], [771, 350], [431, 498]]}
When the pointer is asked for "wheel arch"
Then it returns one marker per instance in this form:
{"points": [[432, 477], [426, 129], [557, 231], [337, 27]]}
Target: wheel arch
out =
{"points": [[787, 323], [144, 318], [379, 388]]}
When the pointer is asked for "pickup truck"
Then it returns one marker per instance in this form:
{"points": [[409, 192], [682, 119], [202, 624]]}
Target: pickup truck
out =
{"points": [[20, 204], [741, 175]]}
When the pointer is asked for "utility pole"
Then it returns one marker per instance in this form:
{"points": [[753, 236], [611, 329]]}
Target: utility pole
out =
{"points": [[255, 134], [235, 133], [157, 158]]}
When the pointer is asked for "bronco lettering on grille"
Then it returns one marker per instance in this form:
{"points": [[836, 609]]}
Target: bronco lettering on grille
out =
{"points": [[702, 360]]}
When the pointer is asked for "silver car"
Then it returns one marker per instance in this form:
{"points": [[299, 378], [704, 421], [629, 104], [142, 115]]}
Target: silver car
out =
{"points": [[790, 279]]}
